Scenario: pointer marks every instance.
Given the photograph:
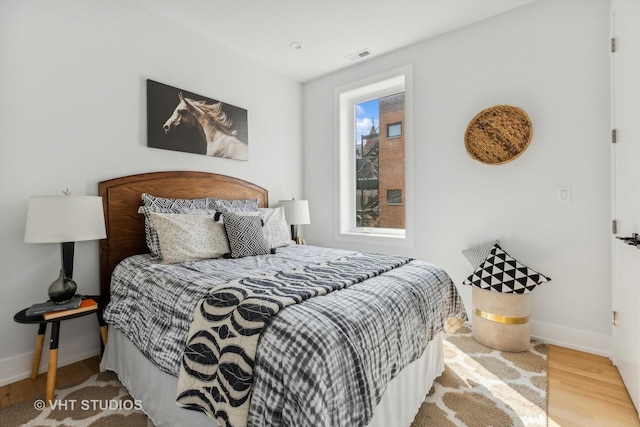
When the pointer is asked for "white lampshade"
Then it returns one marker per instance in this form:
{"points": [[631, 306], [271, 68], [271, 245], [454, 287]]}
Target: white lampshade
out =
{"points": [[56, 219], [296, 211]]}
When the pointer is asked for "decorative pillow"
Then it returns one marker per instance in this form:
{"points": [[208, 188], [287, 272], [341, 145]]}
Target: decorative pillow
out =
{"points": [[276, 230], [189, 237], [502, 273], [165, 205], [245, 235], [151, 236], [173, 205], [222, 205], [477, 254]]}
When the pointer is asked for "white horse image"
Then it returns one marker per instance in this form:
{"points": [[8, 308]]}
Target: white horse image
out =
{"points": [[212, 123]]}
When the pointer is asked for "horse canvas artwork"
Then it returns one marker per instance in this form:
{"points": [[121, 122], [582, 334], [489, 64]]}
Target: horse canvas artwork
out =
{"points": [[184, 121]]}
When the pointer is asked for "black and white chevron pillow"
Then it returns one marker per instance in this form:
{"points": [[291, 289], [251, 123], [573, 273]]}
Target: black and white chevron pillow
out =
{"points": [[245, 235], [500, 272], [175, 205], [244, 205]]}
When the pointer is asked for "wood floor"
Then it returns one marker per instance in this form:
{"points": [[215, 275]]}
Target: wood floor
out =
{"points": [[584, 390], [66, 375]]}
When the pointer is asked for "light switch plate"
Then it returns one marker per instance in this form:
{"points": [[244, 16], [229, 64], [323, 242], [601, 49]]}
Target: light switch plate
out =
{"points": [[564, 194]]}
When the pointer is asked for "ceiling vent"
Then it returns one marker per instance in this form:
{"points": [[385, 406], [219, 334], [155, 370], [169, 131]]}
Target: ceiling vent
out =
{"points": [[358, 55]]}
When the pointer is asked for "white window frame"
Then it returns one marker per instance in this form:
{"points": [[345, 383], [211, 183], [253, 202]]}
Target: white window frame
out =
{"points": [[347, 97]]}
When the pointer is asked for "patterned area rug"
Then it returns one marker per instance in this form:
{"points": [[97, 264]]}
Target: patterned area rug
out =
{"points": [[480, 387], [100, 401]]}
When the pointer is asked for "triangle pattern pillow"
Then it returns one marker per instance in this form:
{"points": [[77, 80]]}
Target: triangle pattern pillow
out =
{"points": [[500, 272]]}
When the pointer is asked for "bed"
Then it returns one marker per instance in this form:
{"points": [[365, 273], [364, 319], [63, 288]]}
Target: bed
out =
{"points": [[396, 371]]}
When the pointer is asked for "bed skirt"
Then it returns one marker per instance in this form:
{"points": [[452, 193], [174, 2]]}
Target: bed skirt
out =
{"points": [[157, 390]]}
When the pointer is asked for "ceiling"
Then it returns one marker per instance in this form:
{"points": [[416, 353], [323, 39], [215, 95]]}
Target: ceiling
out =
{"points": [[328, 30]]}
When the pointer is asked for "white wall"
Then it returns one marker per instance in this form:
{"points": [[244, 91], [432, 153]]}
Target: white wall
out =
{"points": [[549, 58], [72, 113]]}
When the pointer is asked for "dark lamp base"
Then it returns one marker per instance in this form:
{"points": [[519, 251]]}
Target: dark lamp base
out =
{"points": [[62, 289]]}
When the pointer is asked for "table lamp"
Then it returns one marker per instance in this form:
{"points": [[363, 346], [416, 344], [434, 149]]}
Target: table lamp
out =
{"points": [[64, 219], [296, 213]]}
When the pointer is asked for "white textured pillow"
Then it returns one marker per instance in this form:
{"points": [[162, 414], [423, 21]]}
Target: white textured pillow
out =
{"points": [[189, 237], [149, 230], [477, 254], [275, 229]]}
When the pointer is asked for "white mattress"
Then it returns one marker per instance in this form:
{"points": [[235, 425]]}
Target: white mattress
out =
{"points": [[157, 390]]}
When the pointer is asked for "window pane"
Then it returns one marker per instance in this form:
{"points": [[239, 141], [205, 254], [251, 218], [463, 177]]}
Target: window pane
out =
{"points": [[394, 130], [380, 163], [394, 197]]}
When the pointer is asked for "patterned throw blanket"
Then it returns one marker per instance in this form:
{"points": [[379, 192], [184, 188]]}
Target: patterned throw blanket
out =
{"points": [[216, 375]]}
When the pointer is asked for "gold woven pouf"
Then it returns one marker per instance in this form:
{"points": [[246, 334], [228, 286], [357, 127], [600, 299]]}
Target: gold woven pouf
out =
{"points": [[498, 134]]}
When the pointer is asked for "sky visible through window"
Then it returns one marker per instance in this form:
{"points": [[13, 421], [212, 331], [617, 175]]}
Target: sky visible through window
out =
{"points": [[365, 112]]}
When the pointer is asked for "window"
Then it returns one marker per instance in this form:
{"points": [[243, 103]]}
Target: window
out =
{"points": [[372, 174], [379, 166], [394, 130], [394, 197]]}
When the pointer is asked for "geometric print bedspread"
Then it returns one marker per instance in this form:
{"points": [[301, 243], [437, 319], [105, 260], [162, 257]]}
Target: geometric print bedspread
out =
{"points": [[216, 375], [344, 347]]}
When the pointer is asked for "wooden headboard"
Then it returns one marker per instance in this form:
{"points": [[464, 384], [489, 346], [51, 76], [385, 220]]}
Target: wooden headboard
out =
{"points": [[121, 198]]}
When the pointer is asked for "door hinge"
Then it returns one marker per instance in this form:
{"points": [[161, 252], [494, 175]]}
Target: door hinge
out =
{"points": [[614, 226], [614, 136], [614, 318], [613, 45]]}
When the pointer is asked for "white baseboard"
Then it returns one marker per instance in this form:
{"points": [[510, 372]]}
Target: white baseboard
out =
{"points": [[576, 339], [18, 367]]}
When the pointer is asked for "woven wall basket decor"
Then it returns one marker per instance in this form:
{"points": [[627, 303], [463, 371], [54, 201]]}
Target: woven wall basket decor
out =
{"points": [[498, 134]]}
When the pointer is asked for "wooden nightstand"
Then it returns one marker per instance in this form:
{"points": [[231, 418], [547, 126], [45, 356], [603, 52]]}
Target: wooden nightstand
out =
{"points": [[21, 317]]}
